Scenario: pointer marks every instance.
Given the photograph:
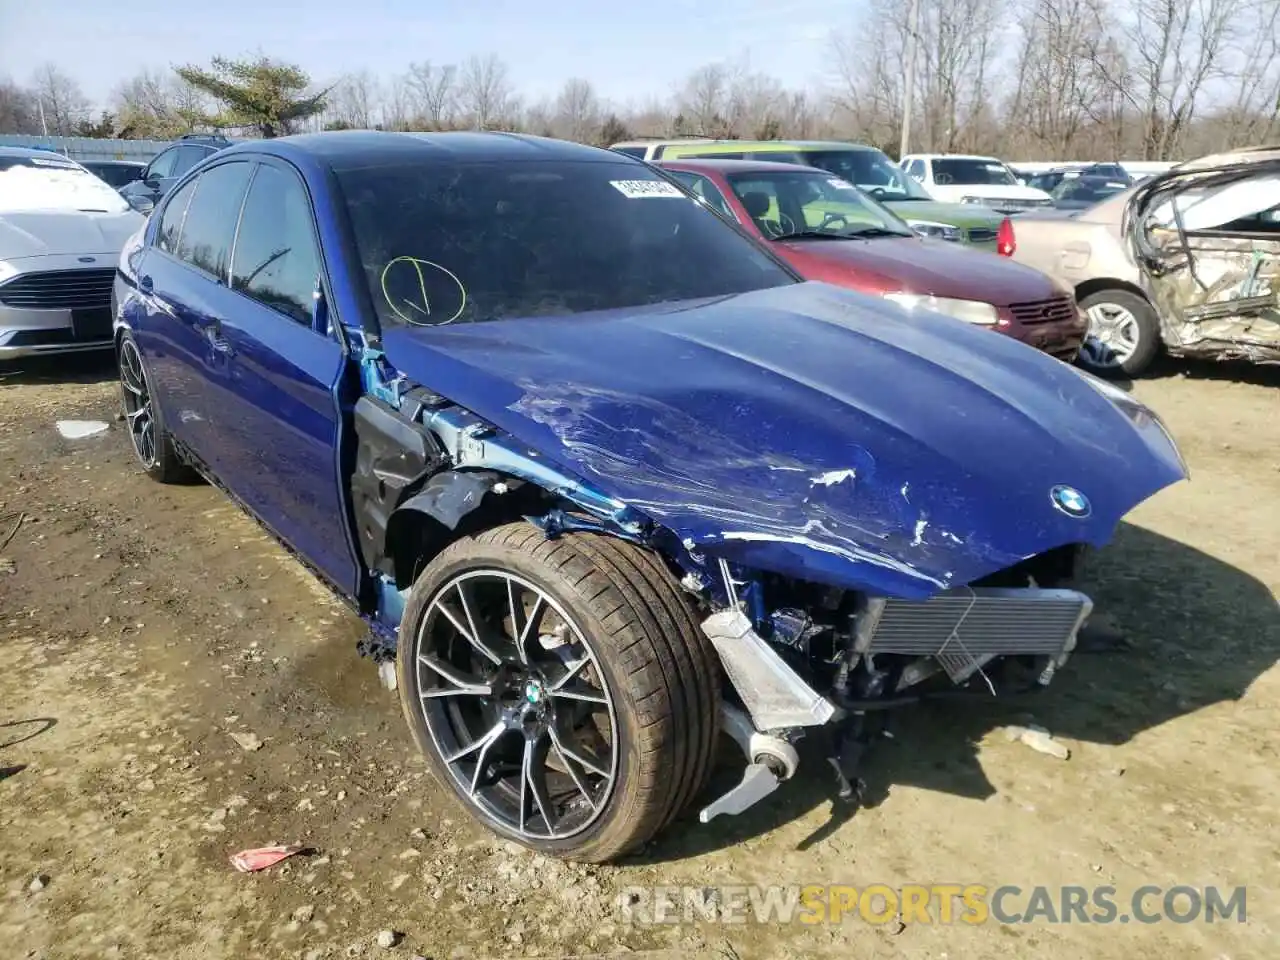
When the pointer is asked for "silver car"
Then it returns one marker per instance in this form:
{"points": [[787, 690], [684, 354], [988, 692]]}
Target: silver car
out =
{"points": [[61, 232]]}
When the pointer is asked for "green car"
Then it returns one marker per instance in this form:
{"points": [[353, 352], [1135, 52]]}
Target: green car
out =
{"points": [[867, 168]]}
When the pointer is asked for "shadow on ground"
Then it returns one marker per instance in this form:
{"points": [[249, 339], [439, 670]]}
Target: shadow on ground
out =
{"points": [[97, 366], [1257, 374], [1195, 632]]}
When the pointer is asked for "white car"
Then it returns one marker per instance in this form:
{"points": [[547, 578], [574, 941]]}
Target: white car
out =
{"points": [[61, 232], [970, 179]]}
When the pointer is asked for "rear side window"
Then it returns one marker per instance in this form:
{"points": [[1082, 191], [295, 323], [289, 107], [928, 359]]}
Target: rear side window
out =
{"points": [[207, 232], [171, 223], [630, 151], [188, 157], [703, 187], [162, 165], [277, 261]]}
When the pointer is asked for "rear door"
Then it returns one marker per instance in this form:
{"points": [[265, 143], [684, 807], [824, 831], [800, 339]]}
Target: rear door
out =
{"points": [[280, 397], [183, 280]]}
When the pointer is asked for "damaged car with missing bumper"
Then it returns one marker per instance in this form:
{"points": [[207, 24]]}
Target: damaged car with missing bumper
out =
{"points": [[1206, 236], [605, 478]]}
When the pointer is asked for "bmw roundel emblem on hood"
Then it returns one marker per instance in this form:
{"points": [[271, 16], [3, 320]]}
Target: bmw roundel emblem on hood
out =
{"points": [[1070, 501]]}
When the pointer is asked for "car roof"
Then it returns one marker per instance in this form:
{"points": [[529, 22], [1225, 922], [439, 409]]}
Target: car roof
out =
{"points": [[35, 152], [358, 148], [738, 166], [780, 145]]}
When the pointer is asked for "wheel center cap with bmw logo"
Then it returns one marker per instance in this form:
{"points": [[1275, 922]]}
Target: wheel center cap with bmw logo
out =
{"points": [[1070, 501], [533, 692]]}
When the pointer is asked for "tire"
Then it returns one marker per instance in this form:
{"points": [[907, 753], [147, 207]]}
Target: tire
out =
{"points": [[155, 452], [620, 608], [1145, 321]]}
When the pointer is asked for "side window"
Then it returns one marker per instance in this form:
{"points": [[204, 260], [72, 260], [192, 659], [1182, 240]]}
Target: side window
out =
{"points": [[276, 258], [162, 164], [171, 223], [188, 157], [207, 232], [706, 189], [916, 169], [630, 151]]}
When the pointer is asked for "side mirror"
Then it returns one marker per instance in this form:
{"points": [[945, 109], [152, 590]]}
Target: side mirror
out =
{"points": [[141, 204], [151, 183]]}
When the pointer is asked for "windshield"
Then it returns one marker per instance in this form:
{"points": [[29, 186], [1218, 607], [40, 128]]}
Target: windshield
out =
{"points": [[785, 203], [972, 171], [443, 243], [1086, 190], [869, 170], [53, 183]]}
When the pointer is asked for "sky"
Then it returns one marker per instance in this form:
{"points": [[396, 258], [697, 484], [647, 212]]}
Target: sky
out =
{"points": [[628, 50]]}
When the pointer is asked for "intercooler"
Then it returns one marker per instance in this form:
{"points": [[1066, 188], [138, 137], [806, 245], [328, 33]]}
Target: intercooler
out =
{"points": [[966, 627]]}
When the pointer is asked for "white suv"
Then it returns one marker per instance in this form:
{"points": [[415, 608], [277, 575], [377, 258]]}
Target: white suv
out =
{"points": [[969, 179]]}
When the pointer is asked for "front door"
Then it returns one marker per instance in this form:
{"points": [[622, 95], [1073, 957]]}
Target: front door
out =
{"points": [[277, 381]]}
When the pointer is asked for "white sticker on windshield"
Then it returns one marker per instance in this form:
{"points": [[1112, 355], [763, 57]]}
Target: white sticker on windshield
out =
{"points": [[841, 184], [640, 189], [994, 167]]}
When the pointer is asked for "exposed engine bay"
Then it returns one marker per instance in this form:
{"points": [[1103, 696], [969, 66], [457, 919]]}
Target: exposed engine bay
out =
{"points": [[827, 657]]}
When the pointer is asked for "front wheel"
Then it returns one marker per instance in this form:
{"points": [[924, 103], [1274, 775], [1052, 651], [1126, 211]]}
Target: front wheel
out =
{"points": [[1123, 336], [561, 688]]}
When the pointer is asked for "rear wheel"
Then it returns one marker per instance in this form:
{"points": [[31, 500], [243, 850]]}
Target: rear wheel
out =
{"points": [[1123, 336], [561, 688], [151, 442]]}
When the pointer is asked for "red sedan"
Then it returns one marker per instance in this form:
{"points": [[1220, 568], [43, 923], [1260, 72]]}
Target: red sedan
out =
{"points": [[829, 230]]}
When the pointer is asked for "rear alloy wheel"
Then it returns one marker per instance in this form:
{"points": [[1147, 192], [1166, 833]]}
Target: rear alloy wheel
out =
{"points": [[561, 688], [150, 441], [1123, 336]]}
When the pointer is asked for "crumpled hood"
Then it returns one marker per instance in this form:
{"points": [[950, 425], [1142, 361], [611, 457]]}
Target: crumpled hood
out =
{"points": [[810, 430], [47, 232]]}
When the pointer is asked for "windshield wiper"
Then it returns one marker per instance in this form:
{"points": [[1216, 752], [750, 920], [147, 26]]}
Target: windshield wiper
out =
{"points": [[877, 232], [810, 235]]}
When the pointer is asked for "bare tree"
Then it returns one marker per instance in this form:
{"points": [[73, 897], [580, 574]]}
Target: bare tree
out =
{"points": [[353, 104], [485, 93], [18, 110], [1175, 50], [755, 104], [397, 106], [434, 90], [867, 100], [152, 105], [1060, 91], [64, 103], [703, 102], [577, 110]]}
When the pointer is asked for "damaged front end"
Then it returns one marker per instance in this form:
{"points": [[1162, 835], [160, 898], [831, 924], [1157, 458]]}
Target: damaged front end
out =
{"points": [[802, 656], [849, 544], [1207, 238]]}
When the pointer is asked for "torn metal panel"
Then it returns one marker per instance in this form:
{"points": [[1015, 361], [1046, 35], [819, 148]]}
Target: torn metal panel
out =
{"points": [[1207, 237]]}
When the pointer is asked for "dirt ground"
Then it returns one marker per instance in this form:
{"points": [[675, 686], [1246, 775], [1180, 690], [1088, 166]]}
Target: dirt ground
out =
{"points": [[141, 626]]}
